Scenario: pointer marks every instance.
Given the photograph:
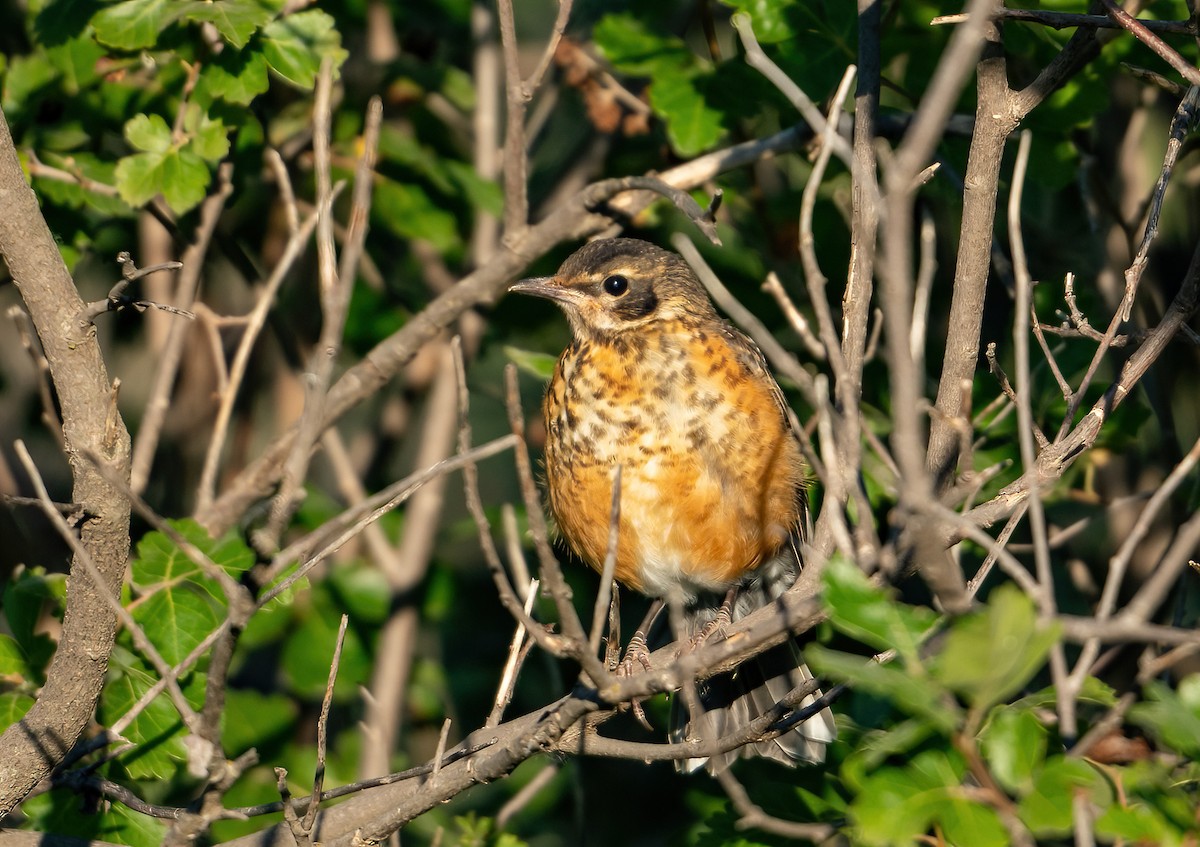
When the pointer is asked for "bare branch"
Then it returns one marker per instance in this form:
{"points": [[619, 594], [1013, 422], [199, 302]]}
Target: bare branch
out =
{"points": [[1069, 20], [323, 728], [37, 742], [1143, 34], [607, 586]]}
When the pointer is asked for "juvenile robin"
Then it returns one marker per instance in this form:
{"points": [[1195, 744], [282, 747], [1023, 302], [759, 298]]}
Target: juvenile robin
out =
{"points": [[713, 503]]}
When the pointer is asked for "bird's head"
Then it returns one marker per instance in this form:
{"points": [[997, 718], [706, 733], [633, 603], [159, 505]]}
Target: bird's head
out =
{"points": [[619, 285]]}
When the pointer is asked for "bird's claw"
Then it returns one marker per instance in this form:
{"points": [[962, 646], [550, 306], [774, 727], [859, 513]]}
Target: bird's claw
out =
{"points": [[723, 618], [636, 654]]}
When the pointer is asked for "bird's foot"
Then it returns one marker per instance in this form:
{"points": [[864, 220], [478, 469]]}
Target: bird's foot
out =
{"points": [[722, 619], [637, 656]]}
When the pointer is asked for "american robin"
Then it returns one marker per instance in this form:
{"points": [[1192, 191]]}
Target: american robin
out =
{"points": [[712, 480]]}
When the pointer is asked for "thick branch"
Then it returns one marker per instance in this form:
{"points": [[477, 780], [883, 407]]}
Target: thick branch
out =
{"points": [[37, 742], [994, 121]]}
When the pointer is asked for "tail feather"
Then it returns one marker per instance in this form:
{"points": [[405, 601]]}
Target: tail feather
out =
{"points": [[731, 700]]}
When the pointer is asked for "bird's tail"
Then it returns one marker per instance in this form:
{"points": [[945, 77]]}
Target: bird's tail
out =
{"points": [[730, 701]]}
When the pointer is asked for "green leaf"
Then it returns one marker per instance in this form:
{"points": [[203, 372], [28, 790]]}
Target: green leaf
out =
{"points": [[208, 137], [925, 700], [13, 706], [12, 659], [994, 653], [177, 619], [236, 76], [480, 193], [400, 147], [1014, 745], [160, 561], [136, 24], [26, 75], [898, 804], [25, 599], [1048, 808], [633, 48], [185, 179], [1173, 718], [236, 20], [60, 21], [309, 650], [148, 133], [969, 824], [294, 46], [181, 177], [875, 747], [76, 61], [540, 365], [362, 592], [1138, 824], [157, 732], [679, 99], [866, 612], [71, 813]]}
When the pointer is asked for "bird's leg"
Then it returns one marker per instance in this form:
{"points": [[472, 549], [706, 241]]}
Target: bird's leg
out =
{"points": [[637, 653], [722, 619]]}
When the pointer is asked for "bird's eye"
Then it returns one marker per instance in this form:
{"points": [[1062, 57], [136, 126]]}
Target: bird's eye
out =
{"points": [[616, 285]]}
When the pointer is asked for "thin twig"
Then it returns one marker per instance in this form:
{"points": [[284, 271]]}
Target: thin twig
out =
{"points": [[1165, 575], [516, 163], [302, 837], [287, 196], [814, 278], [508, 677], [553, 644], [534, 80], [610, 565], [440, 753], [41, 369], [551, 574], [314, 803], [1070, 20], [1185, 116], [799, 323], [527, 792], [1143, 34], [360, 197]]}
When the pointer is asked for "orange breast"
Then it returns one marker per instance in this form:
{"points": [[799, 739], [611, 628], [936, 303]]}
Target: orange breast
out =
{"points": [[712, 477]]}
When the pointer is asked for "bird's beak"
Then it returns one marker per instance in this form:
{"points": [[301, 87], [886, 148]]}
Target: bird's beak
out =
{"points": [[546, 287]]}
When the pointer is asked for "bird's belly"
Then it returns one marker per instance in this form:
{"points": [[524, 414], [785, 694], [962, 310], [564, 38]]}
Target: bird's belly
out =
{"points": [[679, 530], [686, 534]]}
